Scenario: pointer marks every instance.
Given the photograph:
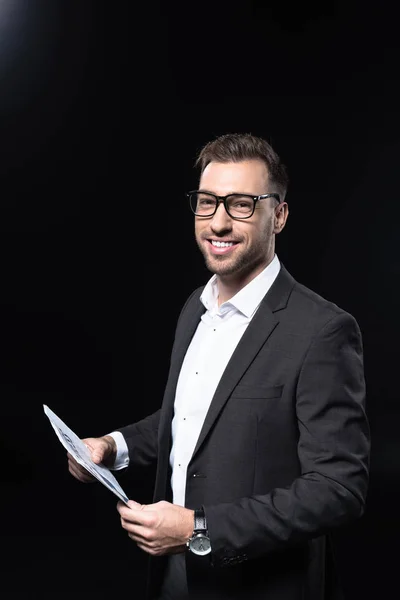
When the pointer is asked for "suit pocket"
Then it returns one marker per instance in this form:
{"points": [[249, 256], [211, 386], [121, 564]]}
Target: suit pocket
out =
{"points": [[257, 391]]}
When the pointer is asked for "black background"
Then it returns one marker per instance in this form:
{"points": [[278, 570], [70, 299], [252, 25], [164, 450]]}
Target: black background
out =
{"points": [[103, 108]]}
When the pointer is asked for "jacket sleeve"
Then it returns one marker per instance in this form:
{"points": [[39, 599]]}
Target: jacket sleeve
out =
{"points": [[333, 451], [141, 439]]}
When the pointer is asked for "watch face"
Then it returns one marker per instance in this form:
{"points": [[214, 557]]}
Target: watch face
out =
{"points": [[200, 544]]}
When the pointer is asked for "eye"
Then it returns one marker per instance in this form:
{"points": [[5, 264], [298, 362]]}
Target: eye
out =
{"points": [[206, 201], [240, 205]]}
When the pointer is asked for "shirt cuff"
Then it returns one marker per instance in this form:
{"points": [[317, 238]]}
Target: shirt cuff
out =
{"points": [[122, 456]]}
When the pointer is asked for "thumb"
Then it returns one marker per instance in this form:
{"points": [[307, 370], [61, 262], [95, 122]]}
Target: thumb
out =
{"points": [[98, 449], [98, 455], [134, 505]]}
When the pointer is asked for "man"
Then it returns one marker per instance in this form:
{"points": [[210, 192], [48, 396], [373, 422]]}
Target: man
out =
{"points": [[262, 441]]}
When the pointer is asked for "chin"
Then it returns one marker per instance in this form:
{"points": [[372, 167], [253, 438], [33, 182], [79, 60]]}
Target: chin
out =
{"points": [[220, 267]]}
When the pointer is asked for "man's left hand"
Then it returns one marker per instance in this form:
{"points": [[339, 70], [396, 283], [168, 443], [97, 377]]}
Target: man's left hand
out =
{"points": [[161, 528]]}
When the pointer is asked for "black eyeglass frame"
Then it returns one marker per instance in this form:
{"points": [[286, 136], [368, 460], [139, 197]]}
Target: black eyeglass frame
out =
{"points": [[223, 199]]}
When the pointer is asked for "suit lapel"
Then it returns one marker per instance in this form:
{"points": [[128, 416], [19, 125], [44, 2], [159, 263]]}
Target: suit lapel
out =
{"points": [[260, 328]]}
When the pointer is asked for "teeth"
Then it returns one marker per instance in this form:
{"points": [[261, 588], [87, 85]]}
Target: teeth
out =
{"points": [[222, 244]]}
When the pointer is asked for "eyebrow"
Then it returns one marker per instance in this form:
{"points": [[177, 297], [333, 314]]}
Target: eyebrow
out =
{"points": [[229, 193]]}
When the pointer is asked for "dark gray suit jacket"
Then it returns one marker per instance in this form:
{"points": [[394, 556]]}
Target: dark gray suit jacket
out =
{"points": [[283, 455]]}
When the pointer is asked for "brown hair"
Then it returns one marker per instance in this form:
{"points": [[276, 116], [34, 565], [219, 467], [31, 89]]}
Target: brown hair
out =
{"points": [[235, 147]]}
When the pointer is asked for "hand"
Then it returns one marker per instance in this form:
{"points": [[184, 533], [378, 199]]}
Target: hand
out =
{"points": [[161, 528], [102, 449]]}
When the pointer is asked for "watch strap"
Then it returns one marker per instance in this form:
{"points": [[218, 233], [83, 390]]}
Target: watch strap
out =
{"points": [[200, 522]]}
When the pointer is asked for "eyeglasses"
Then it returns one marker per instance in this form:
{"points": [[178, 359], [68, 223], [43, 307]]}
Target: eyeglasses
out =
{"points": [[238, 206]]}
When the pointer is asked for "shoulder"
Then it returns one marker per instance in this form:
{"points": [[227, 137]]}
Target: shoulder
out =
{"points": [[312, 311], [311, 301]]}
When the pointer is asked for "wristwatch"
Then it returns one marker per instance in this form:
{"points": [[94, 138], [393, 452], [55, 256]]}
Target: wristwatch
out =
{"points": [[199, 543]]}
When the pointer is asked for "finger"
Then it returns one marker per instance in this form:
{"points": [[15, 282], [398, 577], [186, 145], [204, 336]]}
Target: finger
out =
{"points": [[97, 455], [134, 505], [126, 510], [139, 537], [76, 467], [134, 516], [99, 449], [140, 532], [104, 450], [80, 473], [73, 463], [133, 521], [144, 548], [81, 476], [154, 551]]}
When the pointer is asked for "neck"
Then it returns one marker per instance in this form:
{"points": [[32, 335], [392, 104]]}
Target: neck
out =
{"points": [[227, 289]]}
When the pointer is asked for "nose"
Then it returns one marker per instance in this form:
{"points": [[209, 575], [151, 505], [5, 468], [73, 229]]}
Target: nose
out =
{"points": [[221, 220]]}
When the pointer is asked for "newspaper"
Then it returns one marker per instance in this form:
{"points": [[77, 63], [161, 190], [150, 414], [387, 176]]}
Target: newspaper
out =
{"points": [[74, 445]]}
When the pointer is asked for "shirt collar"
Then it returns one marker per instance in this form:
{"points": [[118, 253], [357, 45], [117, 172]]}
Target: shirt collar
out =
{"points": [[248, 298]]}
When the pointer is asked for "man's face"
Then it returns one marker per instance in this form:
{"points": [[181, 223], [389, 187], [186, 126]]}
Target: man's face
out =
{"points": [[251, 242]]}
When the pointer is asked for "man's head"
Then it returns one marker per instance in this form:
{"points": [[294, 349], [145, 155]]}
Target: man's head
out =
{"points": [[237, 147], [237, 249]]}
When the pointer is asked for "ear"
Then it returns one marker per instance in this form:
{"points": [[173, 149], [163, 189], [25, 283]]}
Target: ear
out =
{"points": [[280, 217]]}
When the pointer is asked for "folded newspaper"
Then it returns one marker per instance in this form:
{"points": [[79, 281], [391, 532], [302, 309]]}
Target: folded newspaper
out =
{"points": [[81, 454]]}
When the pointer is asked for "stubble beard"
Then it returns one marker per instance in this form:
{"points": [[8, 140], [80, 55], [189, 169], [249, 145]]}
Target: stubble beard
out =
{"points": [[244, 262]]}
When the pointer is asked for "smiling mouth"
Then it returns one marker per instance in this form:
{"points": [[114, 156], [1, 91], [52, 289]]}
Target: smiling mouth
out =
{"points": [[217, 244], [219, 248]]}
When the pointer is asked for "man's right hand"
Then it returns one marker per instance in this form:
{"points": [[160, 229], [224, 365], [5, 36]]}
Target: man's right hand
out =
{"points": [[102, 449]]}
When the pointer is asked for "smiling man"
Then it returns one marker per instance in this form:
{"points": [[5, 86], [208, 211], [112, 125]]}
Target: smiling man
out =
{"points": [[261, 441], [237, 220]]}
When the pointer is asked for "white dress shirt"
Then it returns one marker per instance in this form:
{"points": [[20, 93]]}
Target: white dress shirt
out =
{"points": [[212, 345]]}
